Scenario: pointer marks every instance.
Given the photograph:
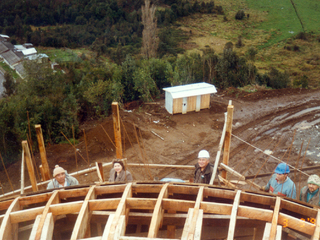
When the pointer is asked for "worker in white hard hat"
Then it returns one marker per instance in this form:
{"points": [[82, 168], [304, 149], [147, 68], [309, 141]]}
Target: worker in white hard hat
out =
{"points": [[204, 169]]}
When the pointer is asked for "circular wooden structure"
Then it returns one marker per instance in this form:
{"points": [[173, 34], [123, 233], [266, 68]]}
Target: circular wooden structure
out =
{"points": [[156, 210]]}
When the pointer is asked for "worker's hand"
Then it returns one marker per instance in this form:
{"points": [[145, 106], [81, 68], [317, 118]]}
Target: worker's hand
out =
{"points": [[263, 188]]}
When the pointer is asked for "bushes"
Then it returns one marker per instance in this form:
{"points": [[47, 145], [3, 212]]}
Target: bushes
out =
{"points": [[240, 15], [274, 79], [302, 82]]}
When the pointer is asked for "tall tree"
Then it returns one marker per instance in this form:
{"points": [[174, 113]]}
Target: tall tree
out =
{"points": [[149, 33], [9, 85]]}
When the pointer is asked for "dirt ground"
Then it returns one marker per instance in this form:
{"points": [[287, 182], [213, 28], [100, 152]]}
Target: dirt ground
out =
{"points": [[273, 121]]}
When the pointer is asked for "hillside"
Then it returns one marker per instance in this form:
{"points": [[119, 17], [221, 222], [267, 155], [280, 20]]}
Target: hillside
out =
{"points": [[271, 120]]}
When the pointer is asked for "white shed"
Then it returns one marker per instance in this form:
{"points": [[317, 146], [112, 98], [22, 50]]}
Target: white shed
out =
{"points": [[188, 98]]}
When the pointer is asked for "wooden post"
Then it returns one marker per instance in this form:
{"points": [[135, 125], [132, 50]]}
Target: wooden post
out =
{"points": [[45, 167], [100, 171], [227, 141], [116, 128], [27, 157], [22, 173]]}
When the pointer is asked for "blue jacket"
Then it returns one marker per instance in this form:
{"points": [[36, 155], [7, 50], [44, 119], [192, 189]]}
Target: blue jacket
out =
{"points": [[71, 181], [286, 189]]}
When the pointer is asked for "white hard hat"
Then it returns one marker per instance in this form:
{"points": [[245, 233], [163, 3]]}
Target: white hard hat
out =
{"points": [[203, 154]]}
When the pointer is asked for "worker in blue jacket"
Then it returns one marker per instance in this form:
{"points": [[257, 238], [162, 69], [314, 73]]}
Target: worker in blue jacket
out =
{"points": [[280, 183]]}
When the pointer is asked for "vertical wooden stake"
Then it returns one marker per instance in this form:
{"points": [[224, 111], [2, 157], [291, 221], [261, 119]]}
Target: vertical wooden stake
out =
{"points": [[227, 140], [116, 128], [45, 167], [100, 171], [27, 157], [22, 173]]}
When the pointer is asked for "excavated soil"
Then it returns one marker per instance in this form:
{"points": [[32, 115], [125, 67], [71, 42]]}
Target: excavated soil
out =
{"points": [[283, 122]]}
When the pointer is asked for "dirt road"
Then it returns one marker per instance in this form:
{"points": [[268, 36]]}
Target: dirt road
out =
{"points": [[274, 121]]}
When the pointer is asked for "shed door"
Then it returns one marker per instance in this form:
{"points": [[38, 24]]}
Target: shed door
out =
{"points": [[184, 105], [198, 104]]}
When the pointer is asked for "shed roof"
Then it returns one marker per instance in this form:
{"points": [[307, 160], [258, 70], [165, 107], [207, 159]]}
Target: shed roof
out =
{"points": [[190, 90], [20, 70], [2, 79], [10, 57], [3, 48], [29, 51]]}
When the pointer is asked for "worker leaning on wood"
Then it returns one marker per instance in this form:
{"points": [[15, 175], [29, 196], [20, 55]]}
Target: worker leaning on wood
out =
{"points": [[61, 179], [204, 169], [280, 183], [311, 194]]}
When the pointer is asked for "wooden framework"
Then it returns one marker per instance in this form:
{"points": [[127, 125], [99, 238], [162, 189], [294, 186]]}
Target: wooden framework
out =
{"points": [[144, 210]]}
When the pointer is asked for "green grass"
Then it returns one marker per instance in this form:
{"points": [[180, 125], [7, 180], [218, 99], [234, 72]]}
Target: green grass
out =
{"points": [[60, 54], [283, 21], [9, 70]]}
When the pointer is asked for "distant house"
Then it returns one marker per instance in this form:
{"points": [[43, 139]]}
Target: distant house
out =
{"points": [[10, 58], [20, 70], [4, 38], [39, 58], [28, 45], [29, 51], [3, 48], [187, 98]]}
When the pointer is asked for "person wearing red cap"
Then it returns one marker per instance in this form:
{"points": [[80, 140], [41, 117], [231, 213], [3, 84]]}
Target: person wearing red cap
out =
{"points": [[61, 179]]}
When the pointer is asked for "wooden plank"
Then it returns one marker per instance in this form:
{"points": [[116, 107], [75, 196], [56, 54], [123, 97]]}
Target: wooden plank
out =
{"points": [[216, 208], [104, 204], [141, 203], [298, 208], [219, 193], [158, 213], [66, 208], [117, 129], [53, 200], [258, 198], [205, 101], [180, 189], [233, 217], [226, 182], [295, 234], [177, 105], [279, 232], [296, 224], [73, 193], [142, 238], [227, 140], [154, 165], [100, 172], [274, 222], [121, 210], [43, 154], [316, 234], [34, 199], [146, 188], [191, 103], [47, 231], [171, 229], [216, 163], [107, 228], [25, 215], [191, 232], [177, 205], [5, 205], [121, 227], [9, 230], [28, 159], [82, 224], [255, 213], [198, 229], [34, 228], [22, 173], [187, 224], [266, 233], [110, 189]]}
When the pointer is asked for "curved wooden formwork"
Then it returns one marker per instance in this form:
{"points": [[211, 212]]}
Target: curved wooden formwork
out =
{"points": [[144, 210]]}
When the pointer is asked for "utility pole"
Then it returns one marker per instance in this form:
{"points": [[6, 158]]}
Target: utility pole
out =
{"points": [[116, 128]]}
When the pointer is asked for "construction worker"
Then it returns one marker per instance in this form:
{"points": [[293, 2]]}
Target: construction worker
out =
{"points": [[204, 169], [119, 173], [280, 183], [311, 194], [61, 179]]}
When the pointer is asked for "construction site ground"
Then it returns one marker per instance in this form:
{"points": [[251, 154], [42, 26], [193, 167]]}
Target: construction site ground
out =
{"points": [[284, 123]]}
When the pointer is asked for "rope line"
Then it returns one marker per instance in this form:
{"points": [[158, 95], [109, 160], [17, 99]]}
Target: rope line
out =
{"points": [[279, 160]]}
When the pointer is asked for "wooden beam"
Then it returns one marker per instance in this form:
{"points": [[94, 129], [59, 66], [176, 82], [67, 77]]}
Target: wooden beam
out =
{"points": [[142, 238], [110, 189], [71, 193], [279, 232], [226, 182], [227, 141], [121, 210], [141, 203], [266, 233], [258, 198], [180, 189], [298, 208], [297, 224], [34, 228], [82, 224], [100, 172], [216, 208], [116, 128], [53, 200], [216, 163], [104, 204], [177, 205], [66, 208], [47, 230], [296, 234], [219, 193], [255, 213], [158, 213], [9, 230], [43, 154], [25, 215], [22, 174], [233, 217], [316, 234], [27, 157], [154, 165], [34, 199], [239, 176], [274, 222]]}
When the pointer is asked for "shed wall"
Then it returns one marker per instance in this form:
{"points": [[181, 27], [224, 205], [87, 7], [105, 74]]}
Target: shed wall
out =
{"points": [[169, 102], [177, 106]]}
